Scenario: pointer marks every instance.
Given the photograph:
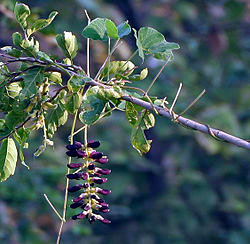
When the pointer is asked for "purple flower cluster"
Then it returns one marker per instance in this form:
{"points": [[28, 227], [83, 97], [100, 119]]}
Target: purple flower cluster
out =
{"points": [[89, 199]]}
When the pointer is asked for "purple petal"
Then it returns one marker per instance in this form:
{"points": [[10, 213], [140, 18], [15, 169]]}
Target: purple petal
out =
{"points": [[72, 153], [95, 155], [75, 188], [102, 191], [74, 165], [105, 221], [76, 204], [98, 180], [93, 144], [102, 160], [75, 176], [103, 171], [81, 154]]}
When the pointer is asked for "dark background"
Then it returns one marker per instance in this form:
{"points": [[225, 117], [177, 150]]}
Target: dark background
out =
{"points": [[189, 188]]}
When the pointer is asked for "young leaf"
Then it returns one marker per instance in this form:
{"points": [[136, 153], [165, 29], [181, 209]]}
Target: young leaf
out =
{"points": [[13, 89], [56, 118], [141, 76], [68, 44], [31, 46], [92, 107], [123, 29], [41, 23], [73, 102], [96, 30], [138, 138], [131, 114], [22, 12], [112, 31], [118, 67], [17, 39], [8, 158], [139, 141], [31, 79]]}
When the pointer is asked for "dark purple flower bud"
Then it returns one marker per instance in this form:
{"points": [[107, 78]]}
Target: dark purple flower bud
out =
{"points": [[75, 188], [102, 160], [93, 144], [102, 191], [92, 219], [104, 204], [100, 200], [81, 154], [104, 209], [72, 153], [103, 171], [98, 180], [74, 165], [74, 217], [85, 176], [75, 176], [77, 199], [91, 166], [95, 155], [97, 174], [86, 185], [76, 204], [92, 184], [76, 145], [105, 221]]}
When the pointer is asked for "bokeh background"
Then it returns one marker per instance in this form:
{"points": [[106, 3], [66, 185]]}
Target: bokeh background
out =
{"points": [[189, 188]]}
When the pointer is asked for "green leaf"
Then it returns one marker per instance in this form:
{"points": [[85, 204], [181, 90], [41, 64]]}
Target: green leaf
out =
{"points": [[21, 12], [139, 141], [55, 77], [123, 29], [44, 56], [153, 42], [8, 158], [112, 31], [56, 117], [77, 82], [31, 46], [17, 39], [92, 107], [12, 51], [41, 23], [139, 45], [68, 44], [31, 79], [21, 137], [13, 118], [141, 76], [138, 138], [96, 30], [73, 102], [131, 114]]}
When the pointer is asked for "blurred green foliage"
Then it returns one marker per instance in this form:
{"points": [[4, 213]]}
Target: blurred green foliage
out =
{"points": [[189, 188]]}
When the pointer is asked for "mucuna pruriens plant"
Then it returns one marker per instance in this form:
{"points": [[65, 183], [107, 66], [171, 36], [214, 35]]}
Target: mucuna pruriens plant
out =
{"points": [[91, 175]]}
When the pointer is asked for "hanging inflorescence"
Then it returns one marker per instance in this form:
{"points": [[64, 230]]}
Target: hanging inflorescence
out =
{"points": [[89, 200]]}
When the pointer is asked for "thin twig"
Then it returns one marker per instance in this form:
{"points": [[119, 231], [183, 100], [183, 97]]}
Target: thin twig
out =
{"points": [[158, 74], [88, 44], [175, 100], [67, 184], [51, 205], [117, 44], [192, 103]]}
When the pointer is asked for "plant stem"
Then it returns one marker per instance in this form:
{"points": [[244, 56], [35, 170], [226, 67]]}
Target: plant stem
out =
{"points": [[162, 68], [67, 183]]}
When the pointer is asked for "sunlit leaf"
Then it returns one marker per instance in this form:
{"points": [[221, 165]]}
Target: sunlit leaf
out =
{"points": [[73, 102], [112, 30], [141, 76], [41, 23], [96, 30], [22, 12], [131, 114], [8, 158]]}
